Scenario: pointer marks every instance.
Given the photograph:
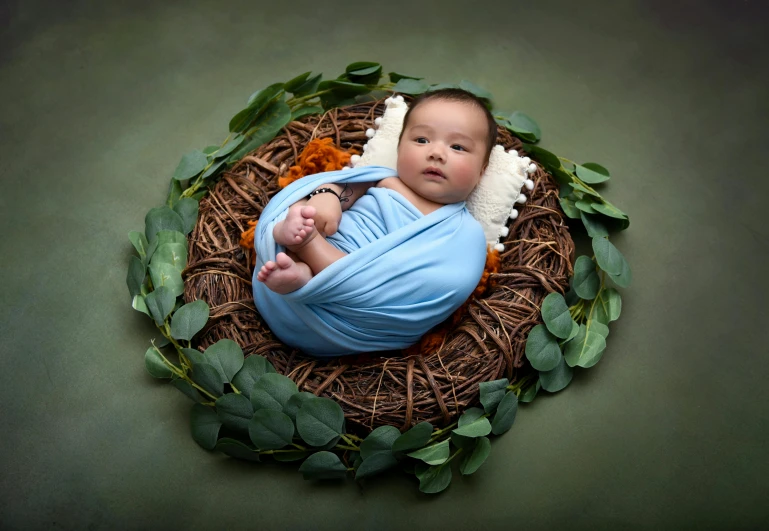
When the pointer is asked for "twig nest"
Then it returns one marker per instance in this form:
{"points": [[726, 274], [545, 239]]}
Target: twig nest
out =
{"points": [[529, 184], [499, 247], [370, 133], [521, 199]]}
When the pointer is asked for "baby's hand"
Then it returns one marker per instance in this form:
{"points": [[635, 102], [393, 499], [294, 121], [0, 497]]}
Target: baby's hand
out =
{"points": [[329, 213]]}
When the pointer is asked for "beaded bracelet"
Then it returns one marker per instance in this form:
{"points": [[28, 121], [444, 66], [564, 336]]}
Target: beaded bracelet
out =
{"points": [[329, 190]]}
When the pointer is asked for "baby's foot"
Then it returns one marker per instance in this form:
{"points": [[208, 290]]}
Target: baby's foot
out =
{"points": [[284, 276], [297, 229]]}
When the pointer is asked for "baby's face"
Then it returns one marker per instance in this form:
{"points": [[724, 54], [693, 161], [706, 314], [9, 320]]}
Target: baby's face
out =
{"points": [[442, 150]]}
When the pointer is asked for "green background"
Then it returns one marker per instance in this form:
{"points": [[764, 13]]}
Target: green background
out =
{"points": [[97, 104]]}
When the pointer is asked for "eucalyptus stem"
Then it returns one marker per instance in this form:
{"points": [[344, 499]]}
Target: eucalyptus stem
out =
{"points": [[349, 442], [438, 433]]}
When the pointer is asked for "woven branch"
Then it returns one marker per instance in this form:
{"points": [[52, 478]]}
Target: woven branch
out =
{"points": [[380, 388]]}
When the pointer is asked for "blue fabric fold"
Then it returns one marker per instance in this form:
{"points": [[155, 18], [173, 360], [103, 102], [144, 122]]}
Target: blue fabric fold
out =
{"points": [[404, 272]]}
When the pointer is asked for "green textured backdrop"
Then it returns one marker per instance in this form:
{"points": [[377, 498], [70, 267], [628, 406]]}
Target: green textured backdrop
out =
{"points": [[99, 101]]}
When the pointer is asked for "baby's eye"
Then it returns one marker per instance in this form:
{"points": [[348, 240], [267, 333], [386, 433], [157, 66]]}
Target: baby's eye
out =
{"points": [[421, 140], [458, 147]]}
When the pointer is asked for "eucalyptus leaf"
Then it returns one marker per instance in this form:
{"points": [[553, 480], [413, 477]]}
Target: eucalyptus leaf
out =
{"points": [[345, 89], [547, 159], [586, 206], [207, 377], [379, 440], [530, 393], [569, 207], [612, 303], [323, 465], [174, 192], [441, 86], [473, 426], [235, 411], [435, 454], [319, 420], [542, 349], [169, 236], [304, 111], [272, 391], [185, 387], [475, 89], [274, 118], [555, 380], [155, 365], [161, 218], [586, 349], [194, 356], [592, 173], [270, 429], [189, 320], [585, 281], [227, 357], [492, 393], [138, 304], [608, 257], [556, 315], [136, 275], [416, 437], [505, 415], [256, 107], [364, 72], [140, 243], [205, 425], [296, 82], [229, 147], [187, 208], [599, 328], [460, 441], [308, 87], [375, 464], [285, 456], [526, 128], [625, 277], [254, 367], [237, 449], [435, 479], [166, 275], [294, 403], [395, 77], [595, 229], [211, 171], [410, 86], [610, 210], [160, 303], [584, 189], [191, 164], [472, 461], [597, 312], [174, 254], [574, 331]]}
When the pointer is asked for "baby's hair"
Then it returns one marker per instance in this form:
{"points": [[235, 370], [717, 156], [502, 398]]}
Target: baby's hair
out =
{"points": [[461, 96]]}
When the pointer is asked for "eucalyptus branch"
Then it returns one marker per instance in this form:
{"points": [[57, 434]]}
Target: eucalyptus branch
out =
{"points": [[438, 433]]}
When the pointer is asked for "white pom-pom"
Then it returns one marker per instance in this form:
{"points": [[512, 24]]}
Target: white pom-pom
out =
{"points": [[526, 160], [513, 214], [513, 152], [355, 159], [370, 133], [504, 231], [532, 168], [529, 184], [499, 247], [365, 147], [346, 168], [378, 121], [389, 100], [398, 98], [521, 199]]}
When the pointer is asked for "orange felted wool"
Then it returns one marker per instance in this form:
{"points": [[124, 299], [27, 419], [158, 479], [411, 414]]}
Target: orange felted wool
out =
{"points": [[319, 155]]}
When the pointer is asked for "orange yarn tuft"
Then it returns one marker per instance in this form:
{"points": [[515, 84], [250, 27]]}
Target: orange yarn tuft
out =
{"points": [[433, 340], [320, 155], [247, 242]]}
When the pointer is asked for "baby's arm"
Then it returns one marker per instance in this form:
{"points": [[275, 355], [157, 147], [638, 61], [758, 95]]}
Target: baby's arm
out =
{"points": [[329, 207]]}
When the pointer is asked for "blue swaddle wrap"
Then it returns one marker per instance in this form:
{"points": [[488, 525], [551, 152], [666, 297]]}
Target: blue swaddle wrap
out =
{"points": [[404, 273]]}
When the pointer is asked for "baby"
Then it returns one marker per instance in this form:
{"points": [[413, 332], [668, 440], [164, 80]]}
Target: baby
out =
{"points": [[443, 151]]}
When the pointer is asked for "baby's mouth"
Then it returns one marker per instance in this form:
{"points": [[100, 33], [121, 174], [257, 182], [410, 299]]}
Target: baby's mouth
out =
{"points": [[434, 172]]}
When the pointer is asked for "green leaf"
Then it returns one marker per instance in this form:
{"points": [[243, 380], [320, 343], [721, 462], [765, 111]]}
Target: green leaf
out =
{"points": [[235, 411], [556, 315], [187, 208], [595, 229], [598, 313], [441, 86], [434, 479], [140, 243], [585, 205], [237, 449], [526, 128], [608, 257], [227, 357], [174, 192], [585, 281], [547, 159], [569, 207], [592, 173], [166, 275], [379, 440], [256, 107], [294, 403], [209, 172], [599, 328], [155, 365], [270, 429], [308, 87], [344, 89], [205, 426], [139, 305], [584, 189], [160, 303], [304, 111], [410, 86], [610, 210], [475, 89], [161, 218], [191, 164], [185, 387], [473, 423], [505, 415], [416, 437], [435, 454], [460, 441], [194, 356], [169, 236], [586, 349], [612, 303], [253, 368], [296, 82], [136, 275], [542, 349], [492, 393], [189, 320], [625, 276], [379, 462], [555, 380], [574, 331], [288, 456], [395, 77], [319, 420], [228, 148], [472, 461], [174, 254], [207, 377], [274, 118], [323, 465], [530, 393], [272, 391], [364, 72]]}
